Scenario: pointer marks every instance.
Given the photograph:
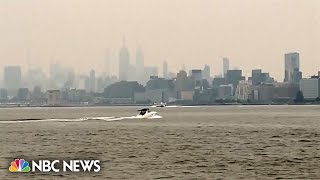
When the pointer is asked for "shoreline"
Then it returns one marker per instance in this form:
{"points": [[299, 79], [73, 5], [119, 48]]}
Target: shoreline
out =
{"points": [[149, 105]]}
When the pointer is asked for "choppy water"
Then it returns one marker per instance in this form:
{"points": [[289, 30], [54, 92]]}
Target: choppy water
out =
{"points": [[225, 142]]}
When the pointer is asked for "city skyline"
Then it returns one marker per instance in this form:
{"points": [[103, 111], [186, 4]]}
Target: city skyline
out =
{"points": [[67, 77], [136, 64], [139, 83]]}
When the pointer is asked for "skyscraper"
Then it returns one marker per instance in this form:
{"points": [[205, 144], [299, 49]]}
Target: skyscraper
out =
{"points": [[258, 77], [206, 72], [92, 81], [292, 72], [225, 66], [3, 95], [165, 69], [233, 77], [123, 63], [139, 64], [139, 59], [12, 79], [197, 76], [108, 63]]}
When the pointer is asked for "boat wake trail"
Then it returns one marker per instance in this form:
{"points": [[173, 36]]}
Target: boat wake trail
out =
{"points": [[77, 120], [132, 117]]}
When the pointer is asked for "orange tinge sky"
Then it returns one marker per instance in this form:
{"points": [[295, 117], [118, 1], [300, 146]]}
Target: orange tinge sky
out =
{"points": [[78, 33]]}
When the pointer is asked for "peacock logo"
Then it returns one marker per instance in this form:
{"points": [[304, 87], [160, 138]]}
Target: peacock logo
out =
{"points": [[19, 165]]}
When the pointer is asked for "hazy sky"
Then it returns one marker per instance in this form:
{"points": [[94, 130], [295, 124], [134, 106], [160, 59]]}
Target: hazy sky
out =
{"points": [[252, 33]]}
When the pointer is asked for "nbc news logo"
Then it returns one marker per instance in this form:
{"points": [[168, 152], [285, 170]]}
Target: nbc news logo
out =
{"points": [[20, 165]]}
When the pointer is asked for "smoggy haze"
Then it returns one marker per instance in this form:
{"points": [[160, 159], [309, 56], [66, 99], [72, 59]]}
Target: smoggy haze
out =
{"points": [[252, 33]]}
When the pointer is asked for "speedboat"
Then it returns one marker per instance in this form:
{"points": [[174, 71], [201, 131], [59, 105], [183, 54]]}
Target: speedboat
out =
{"points": [[159, 105], [146, 113]]}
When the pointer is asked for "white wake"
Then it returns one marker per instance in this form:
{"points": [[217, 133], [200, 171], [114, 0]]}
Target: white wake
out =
{"points": [[79, 119]]}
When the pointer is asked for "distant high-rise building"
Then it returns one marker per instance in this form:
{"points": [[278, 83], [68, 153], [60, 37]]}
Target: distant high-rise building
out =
{"points": [[139, 64], [123, 63], [265, 92], [217, 81], [243, 91], [225, 66], [310, 87], [256, 77], [233, 77], [87, 85], [60, 76], [53, 97], [196, 75], [23, 94], [206, 72], [225, 92], [100, 85], [83, 82], [131, 73], [37, 94], [35, 77], [292, 72], [92, 81], [165, 69], [139, 59], [12, 79], [108, 63], [182, 81], [3, 95]]}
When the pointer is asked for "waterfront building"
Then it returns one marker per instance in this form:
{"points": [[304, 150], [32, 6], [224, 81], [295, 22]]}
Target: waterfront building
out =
{"points": [[244, 91], [160, 90], [265, 92], [285, 92], [53, 97], [23, 95], [310, 87], [3, 95], [225, 92], [233, 77], [122, 92], [12, 79]]}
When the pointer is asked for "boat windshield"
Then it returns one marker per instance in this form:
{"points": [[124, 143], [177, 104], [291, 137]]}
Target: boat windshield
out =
{"points": [[143, 112]]}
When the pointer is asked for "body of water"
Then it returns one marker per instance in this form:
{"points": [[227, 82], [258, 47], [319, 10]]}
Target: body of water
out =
{"points": [[218, 142]]}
